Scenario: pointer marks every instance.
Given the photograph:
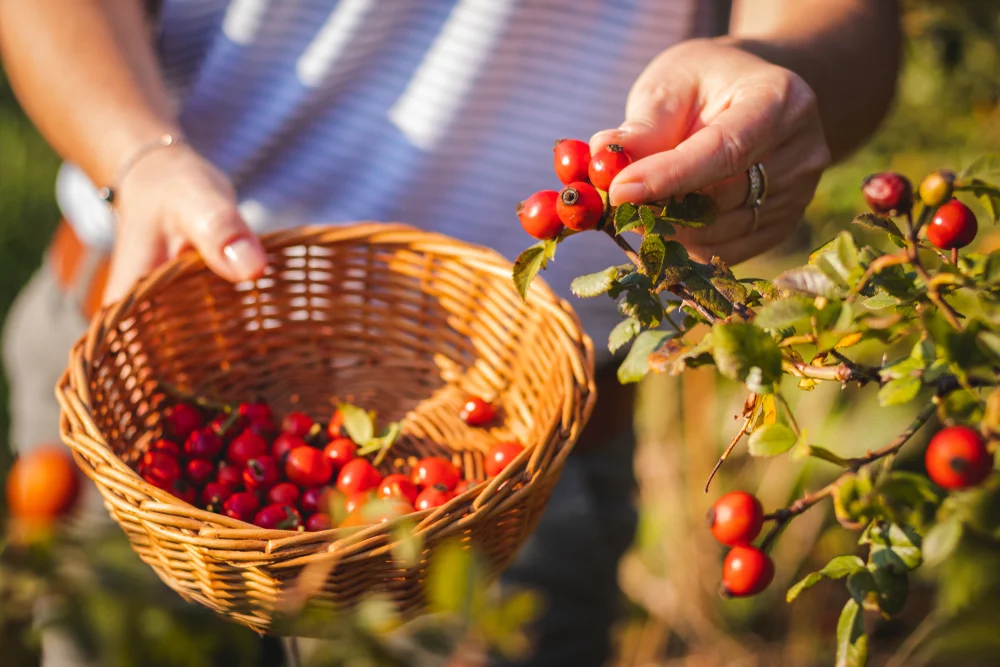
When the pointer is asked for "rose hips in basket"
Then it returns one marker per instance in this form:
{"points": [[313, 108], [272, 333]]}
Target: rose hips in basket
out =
{"points": [[160, 470], [246, 446], [477, 412], [433, 496], [203, 444], [888, 193], [463, 486], [307, 466], [199, 471], [359, 499], [297, 423], [284, 443], [167, 447], [571, 160], [335, 427], [228, 426], [278, 517], [181, 420], [398, 486], [261, 473], [340, 451], [954, 226], [264, 428], [283, 493], [746, 571], [539, 216], [500, 456], [230, 474], [357, 476], [255, 412], [433, 471], [377, 511], [736, 518], [957, 458], [242, 506], [580, 206], [43, 485], [310, 500], [317, 522], [215, 494], [606, 164], [183, 490]]}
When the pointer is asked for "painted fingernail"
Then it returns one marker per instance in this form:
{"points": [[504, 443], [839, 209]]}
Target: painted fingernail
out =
{"points": [[245, 258], [633, 193]]}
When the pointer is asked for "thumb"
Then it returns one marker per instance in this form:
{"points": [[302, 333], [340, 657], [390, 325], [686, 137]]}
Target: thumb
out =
{"points": [[135, 254], [225, 242]]}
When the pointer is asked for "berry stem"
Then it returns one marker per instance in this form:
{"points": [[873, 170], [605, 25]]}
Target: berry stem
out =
{"points": [[729, 449], [912, 251], [632, 255], [954, 256]]}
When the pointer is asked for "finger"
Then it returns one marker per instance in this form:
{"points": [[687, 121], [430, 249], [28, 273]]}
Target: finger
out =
{"points": [[657, 114], [136, 253], [738, 223], [739, 250], [738, 137], [224, 241]]}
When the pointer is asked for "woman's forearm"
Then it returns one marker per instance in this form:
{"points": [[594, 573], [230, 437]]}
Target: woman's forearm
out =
{"points": [[847, 50], [85, 72]]}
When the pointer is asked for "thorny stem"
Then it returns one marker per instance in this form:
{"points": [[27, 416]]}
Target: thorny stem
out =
{"points": [[632, 255], [688, 298]]}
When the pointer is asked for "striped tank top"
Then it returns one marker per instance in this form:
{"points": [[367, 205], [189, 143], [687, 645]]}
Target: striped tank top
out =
{"points": [[436, 113]]}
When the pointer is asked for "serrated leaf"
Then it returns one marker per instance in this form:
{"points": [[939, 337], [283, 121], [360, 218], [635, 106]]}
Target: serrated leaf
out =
{"points": [[636, 363], [357, 422], [739, 347], [706, 296], [941, 541], [878, 223], [988, 195], [652, 253], [725, 282], [674, 357], [661, 228], [809, 280], [676, 263], [646, 216], [642, 305], [852, 643], [771, 440], [894, 547], [693, 210], [763, 287], [623, 332], [880, 301], [899, 391], [784, 313], [594, 284], [626, 218], [529, 263], [986, 164]]}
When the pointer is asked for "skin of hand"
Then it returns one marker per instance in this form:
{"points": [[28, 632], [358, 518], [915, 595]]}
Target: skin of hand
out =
{"points": [[697, 118]]}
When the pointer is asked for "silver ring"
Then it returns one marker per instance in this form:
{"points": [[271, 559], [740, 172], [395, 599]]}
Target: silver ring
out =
{"points": [[756, 219], [757, 191]]}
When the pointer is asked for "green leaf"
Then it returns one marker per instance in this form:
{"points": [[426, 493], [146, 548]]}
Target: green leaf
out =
{"points": [[807, 279], [357, 422], [706, 296], [808, 581], [878, 223], [642, 305], [987, 194], [636, 364], [852, 643], [647, 217], [784, 313], [529, 263], [893, 546], [676, 263], [451, 578], [841, 566], [897, 392], [771, 440], [652, 253], [879, 301], [594, 284], [623, 332], [693, 210], [724, 281], [987, 164], [626, 218], [739, 347], [941, 541]]}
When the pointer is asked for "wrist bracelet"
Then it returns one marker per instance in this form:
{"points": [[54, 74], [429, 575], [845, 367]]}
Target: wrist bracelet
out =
{"points": [[108, 192]]}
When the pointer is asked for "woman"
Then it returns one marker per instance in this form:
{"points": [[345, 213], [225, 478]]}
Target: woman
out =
{"points": [[209, 121]]}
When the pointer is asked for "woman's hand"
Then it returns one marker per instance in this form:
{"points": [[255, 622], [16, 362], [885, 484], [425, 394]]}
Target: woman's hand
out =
{"points": [[173, 199], [699, 116]]}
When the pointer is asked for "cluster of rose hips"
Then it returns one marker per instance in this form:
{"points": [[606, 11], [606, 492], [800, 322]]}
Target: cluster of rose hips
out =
{"points": [[303, 475], [954, 224], [956, 458], [580, 204]]}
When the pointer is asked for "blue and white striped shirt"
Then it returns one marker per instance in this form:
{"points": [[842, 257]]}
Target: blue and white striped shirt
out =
{"points": [[436, 113]]}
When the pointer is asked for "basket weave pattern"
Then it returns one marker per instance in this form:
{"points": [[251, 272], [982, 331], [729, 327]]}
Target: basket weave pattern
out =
{"points": [[396, 320]]}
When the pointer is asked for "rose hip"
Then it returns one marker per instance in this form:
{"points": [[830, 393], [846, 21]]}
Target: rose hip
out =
{"points": [[340, 451], [433, 496], [499, 457], [160, 470], [477, 412], [571, 160], [166, 447], [297, 424], [606, 164], [214, 494], [199, 471], [278, 517], [434, 470], [184, 491], [888, 193], [580, 206], [203, 444], [255, 412], [539, 215], [284, 493], [285, 443], [181, 420], [246, 446], [398, 486], [242, 506], [307, 466], [230, 474], [261, 473], [317, 522], [358, 475]]}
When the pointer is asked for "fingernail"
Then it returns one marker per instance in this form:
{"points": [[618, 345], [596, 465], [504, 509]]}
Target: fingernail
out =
{"points": [[245, 258], [605, 137], [633, 193]]}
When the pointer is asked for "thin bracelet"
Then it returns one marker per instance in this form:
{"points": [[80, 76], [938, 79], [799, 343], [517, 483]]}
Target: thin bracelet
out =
{"points": [[108, 192]]}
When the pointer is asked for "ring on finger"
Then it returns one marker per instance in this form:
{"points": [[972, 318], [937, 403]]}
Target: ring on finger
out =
{"points": [[757, 190]]}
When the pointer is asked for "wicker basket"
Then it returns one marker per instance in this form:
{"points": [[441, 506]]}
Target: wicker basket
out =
{"points": [[397, 320]]}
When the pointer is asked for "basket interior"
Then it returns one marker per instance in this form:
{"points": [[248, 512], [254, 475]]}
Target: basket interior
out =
{"points": [[406, 328]]}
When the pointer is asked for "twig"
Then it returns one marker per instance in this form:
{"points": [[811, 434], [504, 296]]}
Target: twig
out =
{"points": [[876, 267], [900, 440], [688, 298], [791, 415], [630, 252], [729, 450], [839, 373]]}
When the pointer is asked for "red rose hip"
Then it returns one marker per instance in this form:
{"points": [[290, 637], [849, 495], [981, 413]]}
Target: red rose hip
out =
{"points": [[398, 486], [606, 164], [160, 470], [736, 518], [954, 226], [297, 424], [339, 451], [580, 206], [434, 470], [199, 471], [499, 457], [433, 496], [888, 193], [215, 494], [285, 443], [203, 444], [246, 446], [255, 412], [746, 571], [957, 458], [166, 447], [242, 506], [184, 491], [284, 493], [181, 420], [318, 522], [261, 473], [571, 160], [307, 466], [477, 412], [357, 476], [539, 215], [230, 474], [278, 517]]}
